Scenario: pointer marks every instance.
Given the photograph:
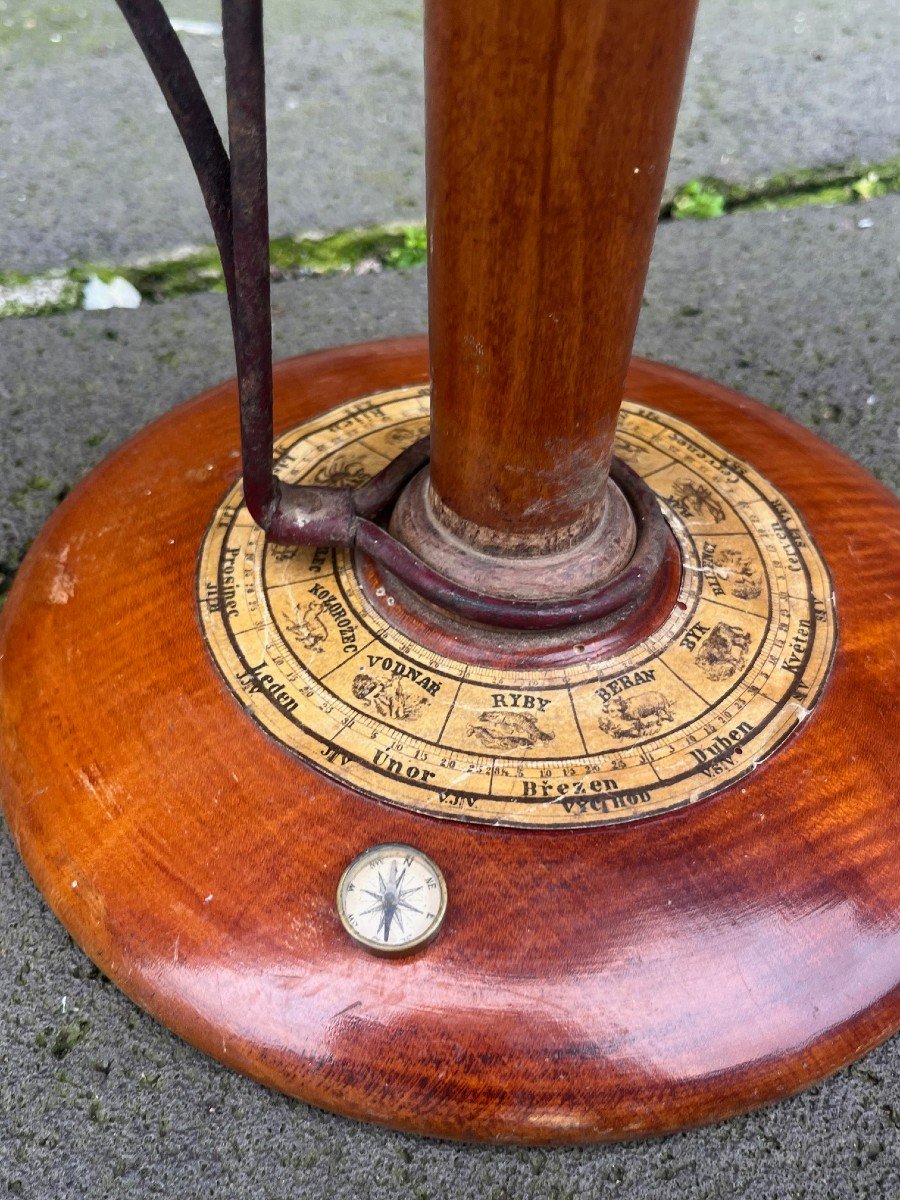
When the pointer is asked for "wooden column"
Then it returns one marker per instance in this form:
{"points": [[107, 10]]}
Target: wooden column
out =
{"points": [[549, 125]]}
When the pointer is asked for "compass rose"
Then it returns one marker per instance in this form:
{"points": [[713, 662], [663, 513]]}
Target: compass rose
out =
{"points": [[392, 898]]}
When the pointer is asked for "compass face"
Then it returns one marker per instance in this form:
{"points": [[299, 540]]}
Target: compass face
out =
{"points": [[737, 665], [392, 899]]}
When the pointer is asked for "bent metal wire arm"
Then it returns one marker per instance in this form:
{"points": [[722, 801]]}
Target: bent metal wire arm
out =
{"points": [[235, 190]]}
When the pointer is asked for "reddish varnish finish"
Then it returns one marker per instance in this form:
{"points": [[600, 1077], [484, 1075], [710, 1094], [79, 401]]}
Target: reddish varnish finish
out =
{"points": [[586, 985], [549, 124]]}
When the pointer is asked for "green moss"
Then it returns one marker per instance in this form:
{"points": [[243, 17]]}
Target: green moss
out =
{"points": [[413, 252], [848, 184], [403, 247], [387, 246], [873, 184], [13, 279], [37, 295], [337, 252], [157, 281], [821, 197], [69, 1036], [38, 483], [700, 200]]}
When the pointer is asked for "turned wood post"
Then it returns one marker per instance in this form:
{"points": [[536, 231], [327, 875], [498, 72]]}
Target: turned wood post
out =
{"points": [[549, 125]]}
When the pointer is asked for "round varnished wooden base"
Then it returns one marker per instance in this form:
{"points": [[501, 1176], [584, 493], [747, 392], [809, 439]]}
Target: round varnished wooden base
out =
{"points": [[585, 984]]}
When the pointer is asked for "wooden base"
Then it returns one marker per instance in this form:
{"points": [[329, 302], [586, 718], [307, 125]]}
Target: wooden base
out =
{"points": [[585, 984]]}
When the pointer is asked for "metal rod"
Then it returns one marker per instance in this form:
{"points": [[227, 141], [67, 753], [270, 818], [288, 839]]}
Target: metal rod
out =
{"points": [[245, 85], [184, 96], [235, 190]]}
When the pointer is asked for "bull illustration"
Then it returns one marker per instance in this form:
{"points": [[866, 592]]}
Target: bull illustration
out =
{"points": [[724, 651]]}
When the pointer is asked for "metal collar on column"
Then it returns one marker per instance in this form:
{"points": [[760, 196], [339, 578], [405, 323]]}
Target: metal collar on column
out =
{"points": [[234, 187]]}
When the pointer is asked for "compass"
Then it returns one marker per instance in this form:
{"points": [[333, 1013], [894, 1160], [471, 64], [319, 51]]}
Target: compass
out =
{"points": [[392, 899], [614, 644]]}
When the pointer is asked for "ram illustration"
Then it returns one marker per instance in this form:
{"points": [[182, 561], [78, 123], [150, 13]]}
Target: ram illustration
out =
{"points": [[636, 715]]}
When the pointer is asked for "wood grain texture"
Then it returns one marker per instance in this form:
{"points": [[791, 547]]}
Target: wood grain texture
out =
{"points": [[548, 130], [586, 985]]}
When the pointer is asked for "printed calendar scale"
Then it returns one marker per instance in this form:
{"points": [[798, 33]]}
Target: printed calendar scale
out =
{"points": [[489, 736]]}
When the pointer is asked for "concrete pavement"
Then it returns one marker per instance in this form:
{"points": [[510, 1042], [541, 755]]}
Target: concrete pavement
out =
{"points": [[91, 167]]}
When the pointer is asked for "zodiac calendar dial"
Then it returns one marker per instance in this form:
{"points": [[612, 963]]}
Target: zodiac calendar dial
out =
{"points": [[736, 666]]}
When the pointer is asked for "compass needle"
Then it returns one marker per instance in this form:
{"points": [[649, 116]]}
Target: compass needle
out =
{"points": [[381, 874]]}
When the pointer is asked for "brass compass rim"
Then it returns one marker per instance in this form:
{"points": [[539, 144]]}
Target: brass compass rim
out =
{"points": [[401, 849]]}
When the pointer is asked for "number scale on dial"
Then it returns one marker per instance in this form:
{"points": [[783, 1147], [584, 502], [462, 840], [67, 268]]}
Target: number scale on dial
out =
{"points": [[735, 667]]}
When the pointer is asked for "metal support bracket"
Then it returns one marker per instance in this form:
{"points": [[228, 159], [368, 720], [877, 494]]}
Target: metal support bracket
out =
{"points": [[235, 190]]}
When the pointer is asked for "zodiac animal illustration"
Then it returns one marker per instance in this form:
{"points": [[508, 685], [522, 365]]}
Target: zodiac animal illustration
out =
{"points": [[342, 471], [507, 731], [639, 715], [691, 499], [724, 651], [738, 573], [388, 699], [309, 627]]}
